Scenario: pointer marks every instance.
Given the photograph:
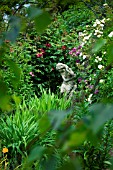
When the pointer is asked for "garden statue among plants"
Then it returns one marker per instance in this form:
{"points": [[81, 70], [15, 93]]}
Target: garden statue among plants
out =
{"points": [[68, 86]]}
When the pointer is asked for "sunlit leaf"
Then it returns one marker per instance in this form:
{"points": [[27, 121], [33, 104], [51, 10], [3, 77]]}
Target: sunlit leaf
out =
{"points": [[98, 45], [16, 99]]}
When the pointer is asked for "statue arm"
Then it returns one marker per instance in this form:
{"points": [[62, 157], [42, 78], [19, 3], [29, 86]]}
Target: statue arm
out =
{"points": [[69, 70]]}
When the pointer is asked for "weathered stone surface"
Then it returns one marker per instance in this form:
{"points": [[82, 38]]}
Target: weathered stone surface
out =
{"points": [[68, 86]]}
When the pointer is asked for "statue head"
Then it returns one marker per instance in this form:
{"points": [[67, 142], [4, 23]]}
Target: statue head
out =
{"points": [[61, 66]]}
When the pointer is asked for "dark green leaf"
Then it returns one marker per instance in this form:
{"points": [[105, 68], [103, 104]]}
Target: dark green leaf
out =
{"points": [[33, 12], [57, 117], [35, 154], [15, 25], [44, 123], [16, 71], [110, 54], [42, 21], [102, 114]]}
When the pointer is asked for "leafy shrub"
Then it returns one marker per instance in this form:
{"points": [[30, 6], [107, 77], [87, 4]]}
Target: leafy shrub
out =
{"points": [[20, 131], [37, 55]]}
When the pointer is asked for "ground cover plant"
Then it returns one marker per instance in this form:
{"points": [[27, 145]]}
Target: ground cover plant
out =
{"points": [[39, 128]]}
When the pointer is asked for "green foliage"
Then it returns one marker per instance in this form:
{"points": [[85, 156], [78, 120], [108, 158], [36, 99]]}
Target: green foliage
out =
{"points": [[53, 46], [9, 35], [51, 132], [22, 130]]}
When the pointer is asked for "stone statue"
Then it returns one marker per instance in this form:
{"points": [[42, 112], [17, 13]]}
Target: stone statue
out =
{"points": [[68, 86]]}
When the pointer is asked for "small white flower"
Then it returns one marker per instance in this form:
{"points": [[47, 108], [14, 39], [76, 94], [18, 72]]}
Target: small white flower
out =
{"points": [[104, 52], [89, 98], [86, 38], [84, 31], [80, 54], [84, 56], [108, 19], [96, 60], [111, 34], [100, 32], [99, 36], [100, 66], [97, 31], [101, 81], [83, 63], [82, 44], [98, 22], [105, 4], [100, 59], [103, 20], [102, 25], [80, 34], [94, 25]]}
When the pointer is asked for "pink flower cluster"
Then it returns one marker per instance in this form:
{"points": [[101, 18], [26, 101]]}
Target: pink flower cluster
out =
{"points": [[31, 73], [75, 51], [40, 53]]}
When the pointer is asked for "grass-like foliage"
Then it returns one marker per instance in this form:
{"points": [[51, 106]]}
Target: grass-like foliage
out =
{"points": [[20, 131]]}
